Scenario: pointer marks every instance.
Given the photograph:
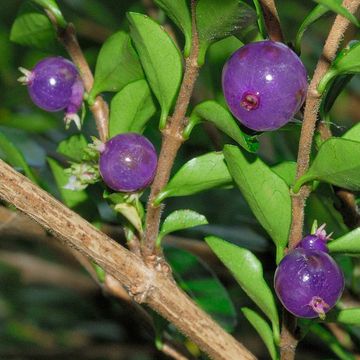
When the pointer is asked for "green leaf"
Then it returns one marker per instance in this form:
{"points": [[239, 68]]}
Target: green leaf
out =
{"points": [[353, 133], [201, 173], [331, 341], [52, 6], [131, 109], [15, 157], [160, 59], [248, 272], [261, 20], [346, 62], [337, 163], [73, 147], [178, 12], [286, 170], [117, 65], [349, 243], [199, 281], [345, 316], [263, 329], [213, 112], [315, 14], [219, 19], [266, 193], [335, 6], [32, 122], [179, 220], [33, 28], [71, 198]]}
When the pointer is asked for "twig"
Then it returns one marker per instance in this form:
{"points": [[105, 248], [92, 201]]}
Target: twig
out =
{"points": [[313, 100], [144, 284], [172, 140], [272, 20]]}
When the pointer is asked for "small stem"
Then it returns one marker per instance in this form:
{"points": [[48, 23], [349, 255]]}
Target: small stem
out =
{"points": [[172, 140], [272, 20]]}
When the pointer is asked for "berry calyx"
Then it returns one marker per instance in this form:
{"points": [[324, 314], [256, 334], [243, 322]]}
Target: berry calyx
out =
{"points": [[54, 84], [264, 84], [308, 283], [128, 162]]}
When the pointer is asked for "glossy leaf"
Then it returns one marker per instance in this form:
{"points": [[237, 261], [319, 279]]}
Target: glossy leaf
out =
{"points": [[248, 272], [346, 62], [315, 14], [261, 20], [266, 193], [353, 133], [349, 243], [345, 316], [199, 281], [218, 19], [263, 329], [336, 7], [131, 109], [179, 220], [213, 112], [286, 170], [337, 163], [53, 7], [71, 198], [117, 65], [178, 11], [15, 157], [160, 59], [73, 147], [199, 174], [33, 28]]}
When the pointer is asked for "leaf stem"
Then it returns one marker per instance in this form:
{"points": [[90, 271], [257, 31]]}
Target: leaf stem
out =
{"points": [[313, 101], [272, 20], [172, 140]]}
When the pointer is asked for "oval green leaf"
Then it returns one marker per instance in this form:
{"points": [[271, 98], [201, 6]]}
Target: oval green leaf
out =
{"points": [[180, 220], [73, 147], [248, 272], [266, 193], [53, 7], [336, 163], [199, 174], [117, 65], [160, 59], [178, 12], [263, 329], [131, 109], [348, 244], [213, 112], [345, 316]]}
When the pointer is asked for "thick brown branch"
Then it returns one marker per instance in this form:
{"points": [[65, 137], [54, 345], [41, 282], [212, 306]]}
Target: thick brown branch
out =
{"points": [[100, 108], [145, 284], [172, 140], [272, 20]]}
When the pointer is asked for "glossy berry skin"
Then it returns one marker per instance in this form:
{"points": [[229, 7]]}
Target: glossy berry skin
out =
{"points": [[313, 242], [308, 283], [128, 162], [50, 83], [264, 84]]}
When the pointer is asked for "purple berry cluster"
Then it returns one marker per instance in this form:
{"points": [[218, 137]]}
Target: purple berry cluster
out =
{"points": [[264, 84], [128, 162], [308, 281], [54, 84]]}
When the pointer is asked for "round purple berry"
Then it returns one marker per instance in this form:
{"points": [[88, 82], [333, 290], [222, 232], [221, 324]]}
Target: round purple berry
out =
{"points": [[50, 83], [128, 162], [308, 283], [316, 241], [264, 84]]}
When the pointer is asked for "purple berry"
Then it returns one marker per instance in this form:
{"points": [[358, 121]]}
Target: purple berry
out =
{"points": [[128, 162], [308, 283], [315, 241], [264, 84]]}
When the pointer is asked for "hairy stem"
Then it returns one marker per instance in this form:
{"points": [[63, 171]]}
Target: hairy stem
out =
{"points": [[172, 140], [146, 285], [313, 101], [272, 20]]}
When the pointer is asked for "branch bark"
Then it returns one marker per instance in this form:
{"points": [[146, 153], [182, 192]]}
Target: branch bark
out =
{"points": [[145, 284], [172, 140], [272, 20]]}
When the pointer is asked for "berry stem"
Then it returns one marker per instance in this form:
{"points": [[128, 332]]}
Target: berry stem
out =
{"points": [[272, 20], [172, 140], [312, 105]]}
